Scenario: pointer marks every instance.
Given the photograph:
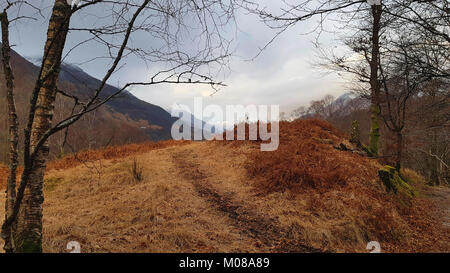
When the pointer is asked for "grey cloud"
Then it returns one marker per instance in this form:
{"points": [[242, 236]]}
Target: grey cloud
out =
{"points": [[282, 74]]}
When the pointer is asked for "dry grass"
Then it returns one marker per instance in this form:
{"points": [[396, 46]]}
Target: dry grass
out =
{"points": [[339, 193], [113, 152], [413, 178], [211, 197], [163, 213], [86, 157], [306, 159]]}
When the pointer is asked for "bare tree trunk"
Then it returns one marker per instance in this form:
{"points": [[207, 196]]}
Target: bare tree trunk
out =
{"points": [[28, 225], [398, 160], [13, 125], [434, 168], [434, 172], [374, 83]]}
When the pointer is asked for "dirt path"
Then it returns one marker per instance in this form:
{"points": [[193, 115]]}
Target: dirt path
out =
{"points": [[251, 223], [441, 197]]}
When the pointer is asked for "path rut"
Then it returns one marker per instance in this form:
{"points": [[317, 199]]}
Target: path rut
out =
{"points": [[250, 223]]}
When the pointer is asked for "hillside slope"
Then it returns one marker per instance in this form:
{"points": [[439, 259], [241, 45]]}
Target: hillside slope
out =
{"points": [[158, 120], [125, 119], [212, 197]]}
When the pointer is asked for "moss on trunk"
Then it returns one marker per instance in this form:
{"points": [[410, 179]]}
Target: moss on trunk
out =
{"points": [[30, 246], [393, 181]]}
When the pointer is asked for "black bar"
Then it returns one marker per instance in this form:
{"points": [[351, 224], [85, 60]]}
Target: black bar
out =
{"points": [[231, 262]]}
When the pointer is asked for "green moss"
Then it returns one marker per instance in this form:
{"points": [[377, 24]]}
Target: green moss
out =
{"points": [[30, 245], [395, 183]]}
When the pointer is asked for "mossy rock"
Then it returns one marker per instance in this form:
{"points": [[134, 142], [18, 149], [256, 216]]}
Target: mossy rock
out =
{"points": [[395, 183]]}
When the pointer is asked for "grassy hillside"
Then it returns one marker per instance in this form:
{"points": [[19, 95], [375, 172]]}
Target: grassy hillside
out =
{"points": [[124, 119], [229, 197]]}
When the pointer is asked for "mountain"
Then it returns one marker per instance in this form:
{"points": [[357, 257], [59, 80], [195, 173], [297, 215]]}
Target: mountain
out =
{"points": [[159, 121], [124, 119], [344, 98]]}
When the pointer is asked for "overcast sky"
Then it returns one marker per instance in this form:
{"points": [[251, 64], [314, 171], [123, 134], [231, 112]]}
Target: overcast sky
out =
{"points": [[283, 74]]}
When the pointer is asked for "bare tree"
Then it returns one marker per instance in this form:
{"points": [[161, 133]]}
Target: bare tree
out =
{"points": [[369, 19], [174, 25], [350, 10], [400, 83], [323, 108], [298, 112], [428, 137], [409, 58], [12, 121]]}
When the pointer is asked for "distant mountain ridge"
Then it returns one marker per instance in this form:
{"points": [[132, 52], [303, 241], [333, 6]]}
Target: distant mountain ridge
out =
{"points": [[124, 119], [126, 103]]}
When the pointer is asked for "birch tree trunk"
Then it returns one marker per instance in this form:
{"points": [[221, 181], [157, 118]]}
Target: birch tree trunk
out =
{"points": [[13, 127], [28, 225]]}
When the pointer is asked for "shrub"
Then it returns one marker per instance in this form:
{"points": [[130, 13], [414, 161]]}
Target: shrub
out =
{"points": [[136, 171]]}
